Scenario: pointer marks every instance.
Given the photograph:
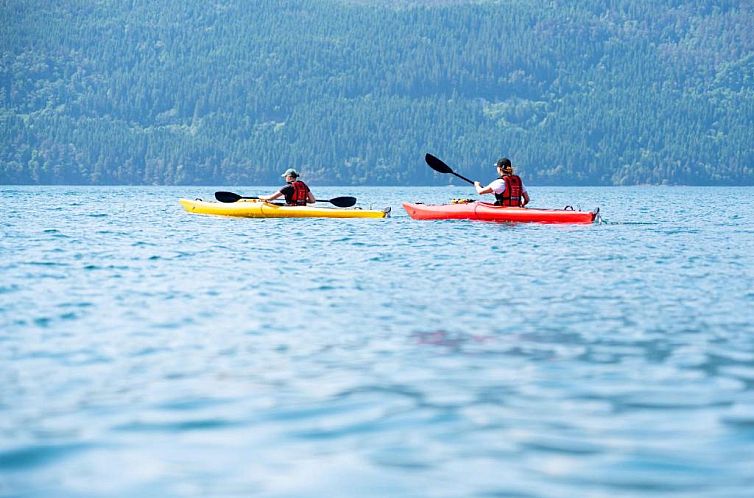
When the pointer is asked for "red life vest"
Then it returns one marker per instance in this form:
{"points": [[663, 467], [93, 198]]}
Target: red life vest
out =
{"points": [[513, 193], [300, 194]]}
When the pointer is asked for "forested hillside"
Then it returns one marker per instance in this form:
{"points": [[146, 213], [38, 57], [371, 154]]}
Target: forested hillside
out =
{"points": [[576, 92]]}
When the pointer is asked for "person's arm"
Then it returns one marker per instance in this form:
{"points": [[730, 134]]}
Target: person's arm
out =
{"points": [[482, 190], [271, 197], [310, 198], [526, 198]]}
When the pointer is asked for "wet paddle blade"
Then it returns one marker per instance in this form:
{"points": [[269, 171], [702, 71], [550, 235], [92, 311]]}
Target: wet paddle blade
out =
{"points": [[227, 196], [437, 164], [343, 202]]}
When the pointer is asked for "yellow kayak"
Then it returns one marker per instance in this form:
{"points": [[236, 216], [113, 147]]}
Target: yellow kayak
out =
{"points": [[254, 208]]}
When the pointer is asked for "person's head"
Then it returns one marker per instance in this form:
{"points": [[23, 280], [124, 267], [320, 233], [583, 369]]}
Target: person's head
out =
{"points": [[290, 175], [504, 166]]}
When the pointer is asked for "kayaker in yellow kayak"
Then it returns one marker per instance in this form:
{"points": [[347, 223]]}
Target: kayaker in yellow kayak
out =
{"points": [[508, 188], [296, 192]]}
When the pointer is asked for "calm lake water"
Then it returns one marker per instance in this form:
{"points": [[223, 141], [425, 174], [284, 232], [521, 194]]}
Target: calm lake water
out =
{"points": [[149, 352]]}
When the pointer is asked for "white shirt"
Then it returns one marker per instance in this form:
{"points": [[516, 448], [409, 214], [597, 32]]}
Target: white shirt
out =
{"points": [[498, 186]]}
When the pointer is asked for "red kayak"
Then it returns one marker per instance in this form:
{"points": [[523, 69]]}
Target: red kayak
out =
{"points": [[489, 212]]}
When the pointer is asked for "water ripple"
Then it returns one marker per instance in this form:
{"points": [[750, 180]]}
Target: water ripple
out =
{"points": [[150, 352]]}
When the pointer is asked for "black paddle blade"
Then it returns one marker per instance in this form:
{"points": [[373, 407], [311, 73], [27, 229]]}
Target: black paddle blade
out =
{"points": [[343, 202], [437, 164], [227, 196]]}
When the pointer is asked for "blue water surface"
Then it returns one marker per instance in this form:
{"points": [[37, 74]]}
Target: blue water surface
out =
{"points": [[149, 352]]}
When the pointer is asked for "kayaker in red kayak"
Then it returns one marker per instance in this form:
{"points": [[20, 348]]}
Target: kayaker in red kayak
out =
{"points": [[508, 188], [296, 192]]}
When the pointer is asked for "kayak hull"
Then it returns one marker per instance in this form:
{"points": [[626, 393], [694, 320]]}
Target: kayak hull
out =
{"points": [[252, 208], [484, 211]]}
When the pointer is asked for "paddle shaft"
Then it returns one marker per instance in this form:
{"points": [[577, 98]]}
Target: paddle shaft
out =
{"points": [[462, 177], [233, 197]]}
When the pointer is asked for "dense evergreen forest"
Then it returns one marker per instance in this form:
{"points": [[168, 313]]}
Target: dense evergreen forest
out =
{"points": [[575, 92]]}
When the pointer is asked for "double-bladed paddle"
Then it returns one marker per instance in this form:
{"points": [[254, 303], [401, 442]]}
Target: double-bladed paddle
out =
{"points": [[439, 166], [336, 201]]}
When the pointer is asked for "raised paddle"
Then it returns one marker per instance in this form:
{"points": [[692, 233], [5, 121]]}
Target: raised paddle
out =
{"points": [[439, 166], [336, 201]]}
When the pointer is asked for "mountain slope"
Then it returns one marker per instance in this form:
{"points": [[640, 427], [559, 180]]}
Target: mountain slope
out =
{"points": [[180, 92]]}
